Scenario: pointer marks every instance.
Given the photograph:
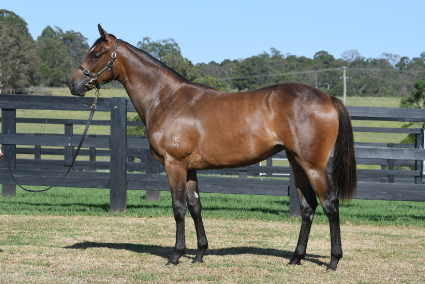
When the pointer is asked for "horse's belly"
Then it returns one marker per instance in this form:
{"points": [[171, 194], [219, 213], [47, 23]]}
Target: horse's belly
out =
{"points": [[237, 152]]}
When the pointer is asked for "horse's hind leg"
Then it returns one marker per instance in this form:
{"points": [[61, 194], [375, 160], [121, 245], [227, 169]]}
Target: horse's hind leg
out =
{"points": [[321, 185], [195, 208], [308, 204], [330, 204]]}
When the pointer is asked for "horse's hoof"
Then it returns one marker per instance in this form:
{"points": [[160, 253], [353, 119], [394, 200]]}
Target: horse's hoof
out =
{"points": [[198, 261], [172, 264], [333, 264], [295, 261]]}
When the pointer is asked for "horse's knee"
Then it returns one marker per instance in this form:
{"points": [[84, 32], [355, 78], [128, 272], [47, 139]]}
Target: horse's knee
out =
{"points": [[307, 212], [308, 208], [179, 210]]}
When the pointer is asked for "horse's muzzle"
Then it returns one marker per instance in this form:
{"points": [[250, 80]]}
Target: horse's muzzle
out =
{"points": [[77, 89]]}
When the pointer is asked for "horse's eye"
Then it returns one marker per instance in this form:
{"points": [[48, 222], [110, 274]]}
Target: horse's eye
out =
{"points": [[96, 57]]}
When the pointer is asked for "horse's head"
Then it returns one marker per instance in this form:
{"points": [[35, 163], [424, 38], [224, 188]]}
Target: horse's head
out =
{"points": [[99, 59]]}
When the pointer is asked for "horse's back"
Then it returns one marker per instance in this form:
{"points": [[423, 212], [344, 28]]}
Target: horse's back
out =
{"points": [[244, 128]]}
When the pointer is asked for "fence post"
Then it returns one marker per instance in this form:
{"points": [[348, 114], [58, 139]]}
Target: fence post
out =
{"points": [[152, 167], [69, 131], [391, 165], [419, 144], [294, 200], [269, 163], [118, 170], [37, 155], [243, 174], [9, 127], [92, 153]]}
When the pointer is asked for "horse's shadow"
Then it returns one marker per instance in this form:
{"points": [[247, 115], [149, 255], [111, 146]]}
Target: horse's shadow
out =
{"points": [[164, 252]]}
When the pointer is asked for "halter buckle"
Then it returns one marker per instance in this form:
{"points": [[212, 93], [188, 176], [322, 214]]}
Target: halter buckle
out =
{"points": [[86, 72], [114, 55]]}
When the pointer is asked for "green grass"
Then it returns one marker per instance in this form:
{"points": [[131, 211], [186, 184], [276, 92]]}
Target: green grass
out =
{"points": [[95, 202]]}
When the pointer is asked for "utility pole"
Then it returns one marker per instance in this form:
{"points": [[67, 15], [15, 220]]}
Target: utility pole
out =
{"points": [[345, 85], [344, 78]]}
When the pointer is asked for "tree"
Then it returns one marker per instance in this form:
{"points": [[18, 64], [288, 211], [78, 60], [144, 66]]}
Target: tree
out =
{"points": [[181, 65], [417, 63], [254, 72], [391, 58], [211, 82], [49, 32], [274, 52], [351, 55], [160, 48], [77, 47], [57, 61], [403, 63], [168, 51], [416, 99], [325, 58], [18, 58], [15, 21], [61, 53], [212, 69]]}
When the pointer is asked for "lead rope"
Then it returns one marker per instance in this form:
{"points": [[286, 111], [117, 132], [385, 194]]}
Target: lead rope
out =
{"points": [[93, 109]]}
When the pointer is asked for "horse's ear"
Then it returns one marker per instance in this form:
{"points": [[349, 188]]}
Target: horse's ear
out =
{"points": [[102, 32]]}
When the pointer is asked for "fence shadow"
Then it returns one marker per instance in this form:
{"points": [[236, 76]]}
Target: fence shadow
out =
{"points": [[165, 251]]}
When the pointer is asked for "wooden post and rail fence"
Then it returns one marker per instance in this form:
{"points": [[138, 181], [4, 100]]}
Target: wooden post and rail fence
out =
{"points": [[397, 172]]}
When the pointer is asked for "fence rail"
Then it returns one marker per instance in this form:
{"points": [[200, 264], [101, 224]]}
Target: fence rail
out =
{"points": [[131, 167]]}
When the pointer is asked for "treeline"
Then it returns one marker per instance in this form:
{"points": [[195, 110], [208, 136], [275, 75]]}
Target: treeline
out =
{"points": [[56, 54], [390, 75], [50, 60]]}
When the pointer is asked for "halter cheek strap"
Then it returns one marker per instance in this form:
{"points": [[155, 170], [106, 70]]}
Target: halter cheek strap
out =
{"points": [[110, 66]]}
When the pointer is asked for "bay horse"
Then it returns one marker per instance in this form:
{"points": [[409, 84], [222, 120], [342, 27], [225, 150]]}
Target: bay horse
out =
{"points": [[192, 127]]}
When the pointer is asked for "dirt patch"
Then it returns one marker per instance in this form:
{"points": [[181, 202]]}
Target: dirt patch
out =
{"points": [[127, 250]]}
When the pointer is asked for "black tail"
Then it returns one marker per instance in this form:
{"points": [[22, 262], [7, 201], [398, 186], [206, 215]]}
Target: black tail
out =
{"points": [[344, 170]]}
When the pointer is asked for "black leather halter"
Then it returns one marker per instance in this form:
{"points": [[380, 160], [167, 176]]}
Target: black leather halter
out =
{"points": [[110, 66]]}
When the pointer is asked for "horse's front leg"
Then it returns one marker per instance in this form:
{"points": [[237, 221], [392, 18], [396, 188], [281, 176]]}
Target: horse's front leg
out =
{"points": [[195, 208], [177, 179]]}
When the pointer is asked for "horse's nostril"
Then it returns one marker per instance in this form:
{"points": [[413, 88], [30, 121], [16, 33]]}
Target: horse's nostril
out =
{"points": [[71, 86]]}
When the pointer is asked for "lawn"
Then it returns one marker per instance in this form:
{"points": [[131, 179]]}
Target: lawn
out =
{"points": [[97, 249]]}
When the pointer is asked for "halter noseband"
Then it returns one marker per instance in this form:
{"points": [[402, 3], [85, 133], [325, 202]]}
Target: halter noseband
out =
{"points": [[109, 66]]}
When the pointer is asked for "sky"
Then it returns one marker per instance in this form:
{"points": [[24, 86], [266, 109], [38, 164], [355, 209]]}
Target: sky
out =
{"points": [[225, 29]]}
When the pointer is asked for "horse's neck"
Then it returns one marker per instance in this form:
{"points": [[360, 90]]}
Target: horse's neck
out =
{"points": [[148, 83]]}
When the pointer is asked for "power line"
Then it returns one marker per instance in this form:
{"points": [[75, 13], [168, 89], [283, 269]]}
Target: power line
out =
{"points": [[316, 71], [280, 74]]}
